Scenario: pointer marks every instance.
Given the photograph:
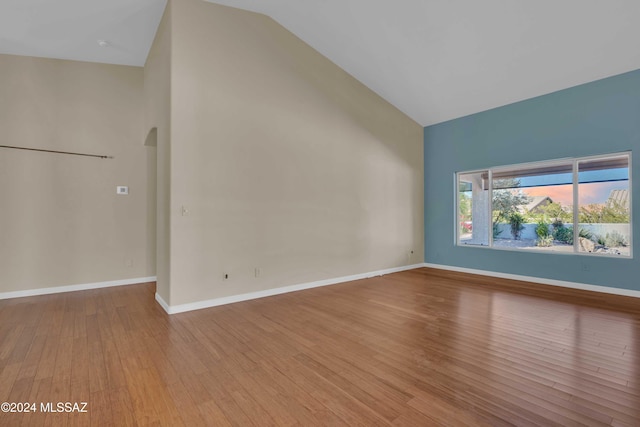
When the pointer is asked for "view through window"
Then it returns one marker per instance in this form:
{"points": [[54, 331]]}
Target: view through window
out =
{"points": [[571, 205]]}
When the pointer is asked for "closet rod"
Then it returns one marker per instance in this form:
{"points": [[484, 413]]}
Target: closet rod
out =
{"points": [[57, 152]]}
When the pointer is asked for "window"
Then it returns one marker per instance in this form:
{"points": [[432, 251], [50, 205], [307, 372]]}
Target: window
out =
{"points": [[567, 206], [473, 208], [532, 207]]}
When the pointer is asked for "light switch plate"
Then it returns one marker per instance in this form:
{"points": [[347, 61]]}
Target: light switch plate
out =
{"points": [[122, 190]]}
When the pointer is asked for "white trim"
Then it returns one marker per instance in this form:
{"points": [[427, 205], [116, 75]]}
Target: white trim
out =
{"points": [[163, 303], [490, 213], [630, 191], [276, 291], [576, 203], [71, 288], [543, 281]]}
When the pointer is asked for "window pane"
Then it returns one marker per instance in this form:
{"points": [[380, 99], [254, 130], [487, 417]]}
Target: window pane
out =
{"points": [[473, 209], [533, 208], [604, 206]]}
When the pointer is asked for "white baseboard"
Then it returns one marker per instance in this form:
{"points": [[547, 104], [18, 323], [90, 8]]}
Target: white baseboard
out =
{"points": [[70, 288], [543, 281], [275, 291], [163, 303]]}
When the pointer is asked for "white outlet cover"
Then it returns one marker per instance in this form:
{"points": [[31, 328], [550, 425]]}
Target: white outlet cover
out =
{"points": [[122, 190]]}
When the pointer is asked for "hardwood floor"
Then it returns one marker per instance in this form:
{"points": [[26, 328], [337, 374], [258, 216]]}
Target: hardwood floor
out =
{"points": [[422, 347]]}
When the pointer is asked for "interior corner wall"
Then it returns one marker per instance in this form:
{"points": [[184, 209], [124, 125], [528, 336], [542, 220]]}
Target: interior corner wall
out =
{"points": [[282, 161], [595, 118], [157, 100], [61, 222]]}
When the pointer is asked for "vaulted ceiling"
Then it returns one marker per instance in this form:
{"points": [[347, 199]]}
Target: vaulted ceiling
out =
{"points": [[433, 59], [70, 29]]}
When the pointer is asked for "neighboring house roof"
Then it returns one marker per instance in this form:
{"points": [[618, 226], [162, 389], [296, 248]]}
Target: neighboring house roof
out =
{"points": [[536, 202], [619, 196]]}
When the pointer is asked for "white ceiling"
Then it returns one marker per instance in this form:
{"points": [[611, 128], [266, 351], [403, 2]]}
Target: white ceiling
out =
{"points": [[70, 29], [433, 59]]}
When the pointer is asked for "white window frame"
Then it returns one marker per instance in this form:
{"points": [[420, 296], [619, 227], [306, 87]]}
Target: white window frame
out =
{"points": [[574, 161]]}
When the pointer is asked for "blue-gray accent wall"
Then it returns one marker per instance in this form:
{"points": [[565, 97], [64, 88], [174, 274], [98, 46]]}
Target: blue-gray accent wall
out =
{"points": [[594, 118]]}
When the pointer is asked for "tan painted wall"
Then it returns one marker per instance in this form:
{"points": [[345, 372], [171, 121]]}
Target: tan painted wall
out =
{"points": [[61, 222], [157, 95], [284, 161]]}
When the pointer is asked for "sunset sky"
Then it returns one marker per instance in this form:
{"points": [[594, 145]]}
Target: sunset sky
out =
{"points": [[589, 193], [594, 185]]}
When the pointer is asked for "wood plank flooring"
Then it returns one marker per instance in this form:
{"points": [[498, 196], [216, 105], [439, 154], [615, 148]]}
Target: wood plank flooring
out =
{"points": [[422, 347]]}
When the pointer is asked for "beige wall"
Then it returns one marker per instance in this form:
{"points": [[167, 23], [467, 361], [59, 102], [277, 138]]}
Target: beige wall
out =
{"points": [[284, 161], [61, 222], [157, 96]]}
